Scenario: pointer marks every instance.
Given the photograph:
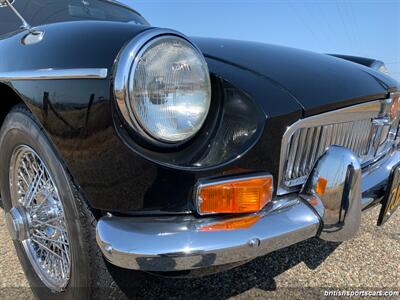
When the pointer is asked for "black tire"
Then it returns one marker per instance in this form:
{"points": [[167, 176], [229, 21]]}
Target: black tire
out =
{"points": [[90, 276]]}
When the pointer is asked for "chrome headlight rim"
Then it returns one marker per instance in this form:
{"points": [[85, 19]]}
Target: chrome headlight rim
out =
{"points": [[124, 70]]}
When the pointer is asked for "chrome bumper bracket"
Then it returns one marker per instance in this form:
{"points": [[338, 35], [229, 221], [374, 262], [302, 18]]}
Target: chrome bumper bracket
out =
{"points": [[339, 205]]}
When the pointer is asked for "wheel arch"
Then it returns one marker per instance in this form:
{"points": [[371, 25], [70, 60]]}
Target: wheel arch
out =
{"points": [[8, 99]]}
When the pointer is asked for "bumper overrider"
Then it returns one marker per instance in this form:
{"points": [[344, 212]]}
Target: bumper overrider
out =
{"points": [[165, 244]]}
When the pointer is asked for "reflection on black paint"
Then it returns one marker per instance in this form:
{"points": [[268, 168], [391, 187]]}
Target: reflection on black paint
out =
{"points": [[88, 109], [48, 106]]}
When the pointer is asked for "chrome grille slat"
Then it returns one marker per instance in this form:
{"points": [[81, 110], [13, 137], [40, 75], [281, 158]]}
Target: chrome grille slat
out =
{"points": [[316, 141], [357, 141], [367, 137], [355, 137], [328, 131], [307, 150], [322, 141], [335, 135], [295, 142], [361, 140], [343, 133], [299, 153]]}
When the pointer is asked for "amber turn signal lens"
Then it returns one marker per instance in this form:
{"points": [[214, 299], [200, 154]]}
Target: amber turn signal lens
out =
{"points": [[242, 195], [321, 186], [394, 108]]}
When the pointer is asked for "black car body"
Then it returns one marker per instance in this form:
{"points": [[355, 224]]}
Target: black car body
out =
{"points": [[143, 191]]}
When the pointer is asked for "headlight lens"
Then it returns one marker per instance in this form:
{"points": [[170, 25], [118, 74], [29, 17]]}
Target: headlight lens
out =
{"points": [[169, 89]]}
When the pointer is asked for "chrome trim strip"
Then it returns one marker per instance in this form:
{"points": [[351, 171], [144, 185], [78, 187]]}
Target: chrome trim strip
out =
{"points": [[55, 74], [177, 243]]}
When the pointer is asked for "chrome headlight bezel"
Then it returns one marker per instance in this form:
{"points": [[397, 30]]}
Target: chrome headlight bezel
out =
{"points": [[125, 67], [380, 67]]}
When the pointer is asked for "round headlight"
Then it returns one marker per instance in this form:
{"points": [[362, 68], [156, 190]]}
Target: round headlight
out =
{"points": [[169, 90]]}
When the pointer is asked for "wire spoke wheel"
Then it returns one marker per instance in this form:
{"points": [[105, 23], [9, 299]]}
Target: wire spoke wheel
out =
{"points": [[39, 216]]}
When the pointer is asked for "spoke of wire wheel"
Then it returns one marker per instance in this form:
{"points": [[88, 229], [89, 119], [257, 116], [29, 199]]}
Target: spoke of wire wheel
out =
{"points": [[22, 176], [57, 218], [26, 170], [41, 236], [36, 208], [31, 195], [41, 223], [45, 247]]}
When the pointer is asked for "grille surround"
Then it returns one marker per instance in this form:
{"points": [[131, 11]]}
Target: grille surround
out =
{"points": [[366, 129]]}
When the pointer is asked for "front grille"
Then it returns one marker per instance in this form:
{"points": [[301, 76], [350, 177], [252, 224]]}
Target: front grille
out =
{"points": [[307, 144], [367, 129]]}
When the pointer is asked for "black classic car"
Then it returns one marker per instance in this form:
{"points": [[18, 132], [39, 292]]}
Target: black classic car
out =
{"points": [[126, 146]]}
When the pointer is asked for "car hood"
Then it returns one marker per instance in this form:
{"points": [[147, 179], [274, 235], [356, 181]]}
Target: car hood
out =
{"points": [[318, 82]]}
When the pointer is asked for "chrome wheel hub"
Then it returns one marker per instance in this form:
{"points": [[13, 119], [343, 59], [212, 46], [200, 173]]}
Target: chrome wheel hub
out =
{"points": [[37, 218], [16, 221]]}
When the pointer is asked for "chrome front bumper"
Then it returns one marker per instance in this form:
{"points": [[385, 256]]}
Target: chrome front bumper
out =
{"points": [[178, 243], [164, 244]]}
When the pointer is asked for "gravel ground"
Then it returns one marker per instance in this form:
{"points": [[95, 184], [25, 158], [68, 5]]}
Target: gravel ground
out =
{"points": [[370, 261]]}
